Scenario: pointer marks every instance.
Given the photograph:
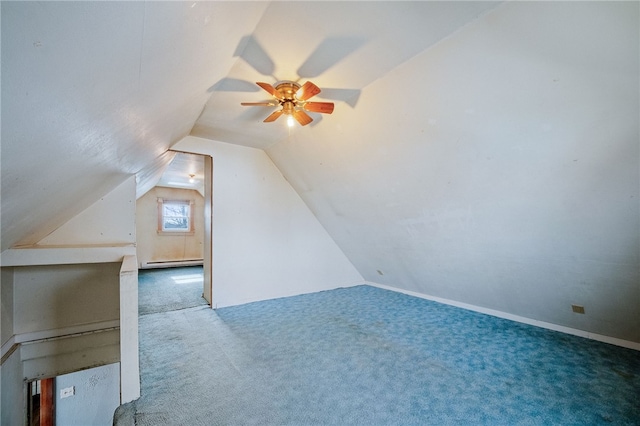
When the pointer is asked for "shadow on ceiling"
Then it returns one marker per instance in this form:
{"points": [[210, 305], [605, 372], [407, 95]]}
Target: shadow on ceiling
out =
{"points": [[327, 54]]}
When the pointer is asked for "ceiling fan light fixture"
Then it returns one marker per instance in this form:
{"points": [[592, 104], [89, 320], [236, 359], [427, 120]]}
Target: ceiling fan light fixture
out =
{"points": [[288, 107], [293, 99], [290, 121]]}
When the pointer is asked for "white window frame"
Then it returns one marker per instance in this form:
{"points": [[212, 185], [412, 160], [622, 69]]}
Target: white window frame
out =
{"points": [[161, 220]]}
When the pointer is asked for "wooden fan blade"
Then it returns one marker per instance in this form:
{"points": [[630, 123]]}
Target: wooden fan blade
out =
{"points": [[302, 117], [308, 90], [274, 116], [269, 88], [258, 104], [323, 107]]}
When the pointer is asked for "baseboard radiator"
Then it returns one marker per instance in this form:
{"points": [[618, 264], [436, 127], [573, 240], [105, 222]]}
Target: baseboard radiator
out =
{"points": [[170, 263]]}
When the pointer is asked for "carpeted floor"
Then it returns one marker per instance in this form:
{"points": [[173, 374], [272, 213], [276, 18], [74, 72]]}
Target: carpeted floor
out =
{"points": [[368, 356], [170, 289]]}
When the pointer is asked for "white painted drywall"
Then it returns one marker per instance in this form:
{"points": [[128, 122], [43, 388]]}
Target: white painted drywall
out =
{"points": [[129, 347], [50, 303], [62, 355], [266, 242], [6, 303], [53, 297], [104, 232], [108, 221], [154, 246], [11, 398], [95, 399], [507, 176], [6, 331]]}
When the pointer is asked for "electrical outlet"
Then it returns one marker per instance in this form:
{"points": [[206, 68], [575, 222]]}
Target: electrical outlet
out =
{"points": [[67, 392], [577, 309]]}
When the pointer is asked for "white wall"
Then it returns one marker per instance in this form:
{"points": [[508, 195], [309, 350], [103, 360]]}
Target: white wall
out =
{"points": [[6, 299], [508, 175], [108, 221], [96, 396], [63, 297], [65, 317], [13, 408], [52, 297], [266, 242], [128, 336], [152, 246]]}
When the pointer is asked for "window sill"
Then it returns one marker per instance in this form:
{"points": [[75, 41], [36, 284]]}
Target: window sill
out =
{"points": [[176, 233]]}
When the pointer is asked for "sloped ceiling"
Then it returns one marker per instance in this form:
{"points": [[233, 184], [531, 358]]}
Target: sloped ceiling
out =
{"points": [[185, 171], [340, 46], [481, 152], [93, 92]]}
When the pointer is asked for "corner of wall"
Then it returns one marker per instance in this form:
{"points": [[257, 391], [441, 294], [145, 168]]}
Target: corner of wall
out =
{"points": [[542, 324]]}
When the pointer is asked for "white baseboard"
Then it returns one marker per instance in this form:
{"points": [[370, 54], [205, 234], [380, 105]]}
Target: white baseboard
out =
{"points": [[568, 330], [170, 263], [64, 332]]}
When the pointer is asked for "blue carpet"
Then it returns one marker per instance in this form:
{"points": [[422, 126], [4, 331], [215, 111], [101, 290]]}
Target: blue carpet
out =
{"points": [[364, 355], [372, 356], [162, 290]]}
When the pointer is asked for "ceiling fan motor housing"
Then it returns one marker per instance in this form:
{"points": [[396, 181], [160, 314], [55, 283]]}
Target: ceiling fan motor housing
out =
{"points": [[287, 90]]}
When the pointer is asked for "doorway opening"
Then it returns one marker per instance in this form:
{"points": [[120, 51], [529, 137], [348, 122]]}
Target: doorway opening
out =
{"points": [[88, 396], [173, 219], [41, 402]]}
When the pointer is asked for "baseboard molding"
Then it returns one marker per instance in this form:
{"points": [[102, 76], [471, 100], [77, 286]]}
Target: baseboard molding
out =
{"points": [[218, 304], [170, 263], [568, 330], [18, 339]]}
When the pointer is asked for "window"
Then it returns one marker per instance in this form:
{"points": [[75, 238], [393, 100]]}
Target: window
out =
{"points": [[175, 216]]}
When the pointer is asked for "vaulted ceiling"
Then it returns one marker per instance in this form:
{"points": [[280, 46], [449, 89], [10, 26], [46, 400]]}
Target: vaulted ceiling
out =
{"points": [[482, 151], [93, 91]]}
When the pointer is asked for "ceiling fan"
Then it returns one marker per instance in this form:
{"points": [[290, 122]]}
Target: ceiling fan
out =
{"points": [[293, 99]]}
